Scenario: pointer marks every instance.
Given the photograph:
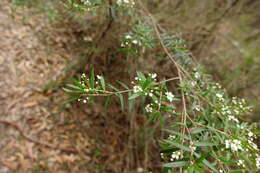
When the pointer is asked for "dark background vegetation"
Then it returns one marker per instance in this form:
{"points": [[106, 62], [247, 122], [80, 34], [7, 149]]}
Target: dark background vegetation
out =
{"points": [[47, 45]]}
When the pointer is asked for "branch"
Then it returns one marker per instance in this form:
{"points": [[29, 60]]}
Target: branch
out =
{"points": [[18, 128]]}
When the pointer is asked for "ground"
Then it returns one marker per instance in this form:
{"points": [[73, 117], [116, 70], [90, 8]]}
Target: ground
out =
{"points": [[27, 64]]}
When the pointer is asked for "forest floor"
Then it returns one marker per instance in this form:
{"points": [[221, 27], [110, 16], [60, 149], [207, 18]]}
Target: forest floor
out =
{"points": [[40, 134], [37, 133]]}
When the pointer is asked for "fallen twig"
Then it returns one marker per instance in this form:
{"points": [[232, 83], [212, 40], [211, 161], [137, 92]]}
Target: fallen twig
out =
{"points": [[17, 127]]}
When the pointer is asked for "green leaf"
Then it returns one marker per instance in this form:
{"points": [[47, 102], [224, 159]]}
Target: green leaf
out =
{"points": [[141, 76], [175, 164], [73, 86], [152, 117], [197, 130], [130, 104], [236, 171], [112, 87], [203, 157], [70, 99], [102, 81], [206, 163], [92, 79], [135, 95], [123, 85], [204, 144], [178, 145], [198, 169], [256, 131], [121, 98], [68, 91]]}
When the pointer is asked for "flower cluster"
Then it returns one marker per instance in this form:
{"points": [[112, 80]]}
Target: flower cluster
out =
{"points": [[137, 89], [233, 144], [171, 137], [241, 163], [169, 96], [149, 108], [86, 2], [127, 3], [129, 39], [175, 155]]}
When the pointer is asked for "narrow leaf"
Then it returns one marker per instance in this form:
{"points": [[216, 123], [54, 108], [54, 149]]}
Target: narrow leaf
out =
{"points": [[175, 164]]}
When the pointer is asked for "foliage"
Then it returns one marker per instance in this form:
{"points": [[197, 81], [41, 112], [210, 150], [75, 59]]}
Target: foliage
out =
{"points": [[206, 131]]}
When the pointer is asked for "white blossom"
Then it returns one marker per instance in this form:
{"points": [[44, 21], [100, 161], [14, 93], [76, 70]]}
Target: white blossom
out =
{"points": [[233, 144], [197, 75], [250, 134], [241, 163], [175, 155], [148, 108], [99, 77], [137, 89], [169, 96]]}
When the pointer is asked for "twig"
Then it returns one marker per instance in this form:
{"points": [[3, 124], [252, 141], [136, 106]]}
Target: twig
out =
{"points": [[17, 127]]}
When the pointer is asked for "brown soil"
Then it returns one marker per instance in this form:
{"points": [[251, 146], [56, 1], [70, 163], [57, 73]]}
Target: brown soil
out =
{"points": [[27, 64]]}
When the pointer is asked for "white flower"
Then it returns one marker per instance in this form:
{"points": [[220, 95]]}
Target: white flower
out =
{"points": [[83, 75], [241, 163], [250, 134], [135, 42], [130, 3], [171, 137], [153, 76], [233, 144], [84, 101], [175, 155], [193, 148], [162, 155], [197, 108], [231, 117], [148, 108], [197, 75], [169, 96], [219, 95], [99, 77], [128, 36], [137, 89]]}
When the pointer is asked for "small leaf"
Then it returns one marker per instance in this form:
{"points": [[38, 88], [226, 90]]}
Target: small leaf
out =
{"points": [[112, 87], [141, 76], [178, 145], [236, 171], [175, 164], [102, 81], [74, 86], [135, 95], [204, 144], [130, 104], [121, 98], [197, 130], [92, 79], [123, 85], [68, 91]]}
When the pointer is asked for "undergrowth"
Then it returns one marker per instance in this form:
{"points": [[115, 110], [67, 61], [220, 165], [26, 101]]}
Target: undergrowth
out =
{"points": [[205, 127]]}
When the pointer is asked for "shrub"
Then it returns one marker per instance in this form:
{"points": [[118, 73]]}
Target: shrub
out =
{"points": [[206, 128]]}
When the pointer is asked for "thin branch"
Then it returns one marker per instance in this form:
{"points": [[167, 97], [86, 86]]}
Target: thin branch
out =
{"points": [[17, 127]]}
